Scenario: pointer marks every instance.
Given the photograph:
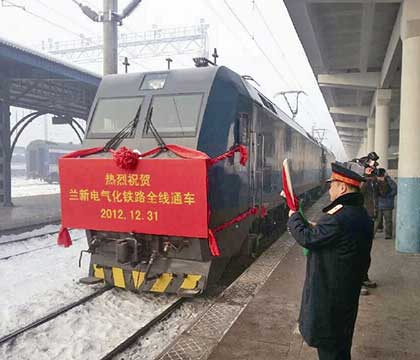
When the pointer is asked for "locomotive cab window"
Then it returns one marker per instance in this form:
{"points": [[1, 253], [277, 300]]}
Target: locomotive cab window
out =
{"points": [[112, 115], [174, 115]]}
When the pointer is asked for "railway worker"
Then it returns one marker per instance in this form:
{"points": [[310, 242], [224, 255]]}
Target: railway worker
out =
{"points": [[339, 256]]}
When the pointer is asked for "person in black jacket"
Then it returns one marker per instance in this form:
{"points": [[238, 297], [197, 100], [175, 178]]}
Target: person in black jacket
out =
{"points": [[387, 189], [339, 255]]}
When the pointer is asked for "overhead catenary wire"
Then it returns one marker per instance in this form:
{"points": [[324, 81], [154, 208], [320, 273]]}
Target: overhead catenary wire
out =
{"points": [[291, 69], [210, 6], [270, 31], [260, 48], [278, 45], [42, 18], [61, 14]]}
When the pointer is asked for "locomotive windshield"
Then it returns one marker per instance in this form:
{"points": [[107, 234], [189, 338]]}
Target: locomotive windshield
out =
{"points": [[174, 115], [112, 115]]}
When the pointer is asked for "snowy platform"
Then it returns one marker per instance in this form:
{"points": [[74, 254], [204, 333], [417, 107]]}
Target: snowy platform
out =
{"points": [[30, 212]]}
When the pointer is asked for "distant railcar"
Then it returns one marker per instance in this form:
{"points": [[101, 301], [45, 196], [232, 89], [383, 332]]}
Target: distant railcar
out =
{"points": [[42, 159], [210, 109]]}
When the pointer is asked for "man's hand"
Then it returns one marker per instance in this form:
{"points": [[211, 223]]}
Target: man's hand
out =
{"points": [[368, 171], [291, 212]]}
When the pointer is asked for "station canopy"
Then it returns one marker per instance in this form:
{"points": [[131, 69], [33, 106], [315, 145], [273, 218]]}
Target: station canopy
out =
{"points": [[354, 48], [39, 82]]}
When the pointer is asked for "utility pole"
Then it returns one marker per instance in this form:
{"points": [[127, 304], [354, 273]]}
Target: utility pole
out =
{"points": [[110, 36], [110, 19]]}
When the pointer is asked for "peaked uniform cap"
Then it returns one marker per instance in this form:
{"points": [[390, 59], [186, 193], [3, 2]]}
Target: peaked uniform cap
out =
{"points": [[350, 173]]}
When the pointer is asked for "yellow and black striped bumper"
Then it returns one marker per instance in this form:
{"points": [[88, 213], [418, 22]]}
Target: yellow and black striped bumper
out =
{"points": [[135, 281]]}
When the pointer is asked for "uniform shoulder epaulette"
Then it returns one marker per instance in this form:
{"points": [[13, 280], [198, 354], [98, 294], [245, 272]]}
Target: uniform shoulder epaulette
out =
{"points": [[335, 209]]}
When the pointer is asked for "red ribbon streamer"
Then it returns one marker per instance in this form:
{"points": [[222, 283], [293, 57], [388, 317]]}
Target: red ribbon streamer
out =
{"points": [[240, 217], [214, 247], [240, 148], [83, 152], [64, 238]]}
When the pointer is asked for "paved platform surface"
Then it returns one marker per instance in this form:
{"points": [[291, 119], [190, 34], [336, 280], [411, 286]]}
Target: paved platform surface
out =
{"points": [[388, 324], [30, 211]]}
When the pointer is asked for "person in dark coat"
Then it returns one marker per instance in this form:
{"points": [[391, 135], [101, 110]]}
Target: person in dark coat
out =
{"points": [[369, 190], [387, 189], [339, 255]]}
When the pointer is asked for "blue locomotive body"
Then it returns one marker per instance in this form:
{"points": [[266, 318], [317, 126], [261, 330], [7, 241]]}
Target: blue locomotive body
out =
{"points": [[212, 110]]}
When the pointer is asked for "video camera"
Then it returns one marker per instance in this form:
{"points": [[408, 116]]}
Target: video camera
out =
{"points": [[369, 161]]}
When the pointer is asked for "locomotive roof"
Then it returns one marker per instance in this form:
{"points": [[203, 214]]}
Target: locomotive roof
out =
{"points": [[191, 80], [178, 80]]}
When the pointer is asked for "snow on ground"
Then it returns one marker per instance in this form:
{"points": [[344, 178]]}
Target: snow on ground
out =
{"points": [[40, 282], [22, 186], [36, 243], [89, 331], [150, 346], [43, 230]]}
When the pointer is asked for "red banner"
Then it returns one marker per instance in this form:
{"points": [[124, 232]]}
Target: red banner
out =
{"points": [[161, 196]]}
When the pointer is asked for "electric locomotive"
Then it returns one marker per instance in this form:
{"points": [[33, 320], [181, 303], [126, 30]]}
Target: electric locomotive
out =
{"points": [[210, 109]]}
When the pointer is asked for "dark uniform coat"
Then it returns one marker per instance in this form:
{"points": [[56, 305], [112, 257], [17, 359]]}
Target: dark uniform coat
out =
{"points": [[369, 190], [339, 245]]}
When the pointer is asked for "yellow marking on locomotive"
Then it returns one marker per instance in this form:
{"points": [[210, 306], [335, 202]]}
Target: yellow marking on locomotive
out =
{"points": [[138, 278], [190, 282], [162, 283], [98, 272], [118, 275]]}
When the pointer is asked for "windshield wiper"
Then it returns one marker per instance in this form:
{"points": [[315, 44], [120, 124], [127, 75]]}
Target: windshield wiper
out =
{"points": [[126, 131], [177, 116], [153, 130]]}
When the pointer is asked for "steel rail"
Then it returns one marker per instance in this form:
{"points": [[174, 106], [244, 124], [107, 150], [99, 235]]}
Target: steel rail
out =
{"points": [[144, 329], [28, 238], [36, 249], [53, 315]]}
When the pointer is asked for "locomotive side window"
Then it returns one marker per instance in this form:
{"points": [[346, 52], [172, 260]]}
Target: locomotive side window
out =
{"points": [[174, 115], [112, 115], [241, 129]]}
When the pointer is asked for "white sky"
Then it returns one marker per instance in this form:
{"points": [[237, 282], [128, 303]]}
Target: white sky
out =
{"points": [[235, 46]]}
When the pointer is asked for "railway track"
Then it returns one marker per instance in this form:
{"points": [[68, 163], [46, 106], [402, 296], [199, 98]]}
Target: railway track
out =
{"points": [[13, 335], [144, 329], [121, 347], [29, 237], [36, 249]]}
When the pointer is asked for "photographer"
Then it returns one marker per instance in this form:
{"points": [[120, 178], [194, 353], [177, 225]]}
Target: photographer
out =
{"points": [[387, 189], [370, 192]]}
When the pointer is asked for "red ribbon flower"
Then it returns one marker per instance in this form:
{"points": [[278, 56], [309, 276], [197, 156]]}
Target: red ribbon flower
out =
{"points": [[125, 158]]}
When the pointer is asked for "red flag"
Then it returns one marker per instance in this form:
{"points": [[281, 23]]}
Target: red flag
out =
{"points": [[291, 199]]}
